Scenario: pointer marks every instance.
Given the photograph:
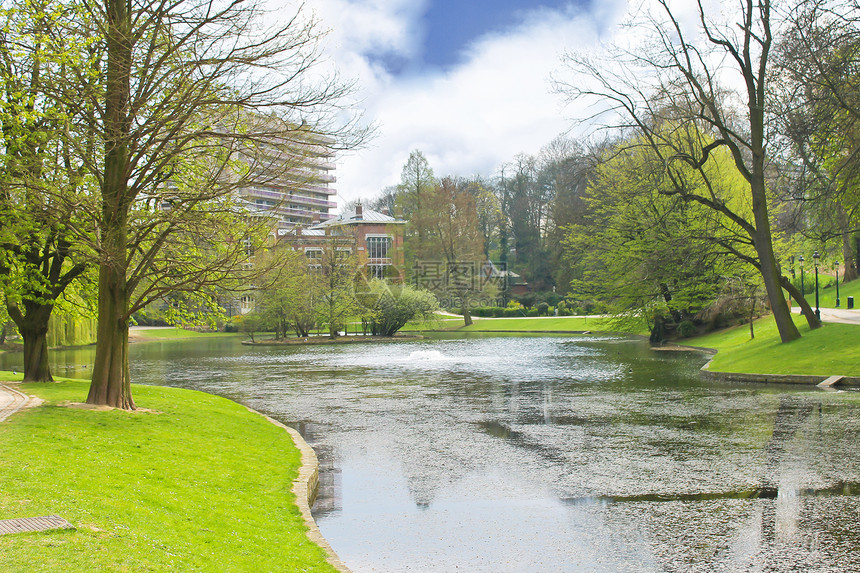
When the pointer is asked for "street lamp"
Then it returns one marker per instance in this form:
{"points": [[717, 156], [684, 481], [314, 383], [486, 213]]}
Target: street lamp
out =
{"points": [[802, 290], [815, 257], [837, 284]]}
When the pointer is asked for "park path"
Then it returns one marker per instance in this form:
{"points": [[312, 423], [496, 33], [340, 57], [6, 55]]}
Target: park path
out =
{"points": [[842, 315], [11, 401]]}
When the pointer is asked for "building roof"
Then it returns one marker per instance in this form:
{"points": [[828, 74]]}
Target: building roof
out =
{"points": [[349, 217]]}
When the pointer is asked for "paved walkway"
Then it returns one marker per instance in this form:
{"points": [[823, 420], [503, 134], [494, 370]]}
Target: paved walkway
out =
{"points": [[11, 401], [842, 315]]}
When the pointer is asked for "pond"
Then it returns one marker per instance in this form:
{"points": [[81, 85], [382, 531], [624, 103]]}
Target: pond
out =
{"points": [[564, 453]]}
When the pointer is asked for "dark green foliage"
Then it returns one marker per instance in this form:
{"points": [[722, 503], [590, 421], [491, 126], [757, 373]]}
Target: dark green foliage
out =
{"points": [[686, 328]]}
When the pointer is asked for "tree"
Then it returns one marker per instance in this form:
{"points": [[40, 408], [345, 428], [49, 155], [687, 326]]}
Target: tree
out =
{"points": [[337, 272], [194, 99], [416, 184], [489, 213], [388, 308], [452, 236], [39, 180], [646, 254], [819, 113], [679, 79], [289, 294]]}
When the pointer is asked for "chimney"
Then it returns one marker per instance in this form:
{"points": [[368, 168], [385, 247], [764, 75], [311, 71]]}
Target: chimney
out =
{"points": [[359, 211], [385, 211]]}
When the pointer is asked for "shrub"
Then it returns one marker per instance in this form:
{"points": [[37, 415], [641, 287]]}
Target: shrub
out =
{"points": [[543, 309], [686, 329]]}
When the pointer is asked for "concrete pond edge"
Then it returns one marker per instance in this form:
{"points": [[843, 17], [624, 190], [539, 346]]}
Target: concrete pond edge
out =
{"points": [[305, 488], [803, 379]]}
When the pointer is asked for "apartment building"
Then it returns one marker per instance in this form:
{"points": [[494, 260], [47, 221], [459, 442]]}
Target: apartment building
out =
{"points": [[293, 187]]}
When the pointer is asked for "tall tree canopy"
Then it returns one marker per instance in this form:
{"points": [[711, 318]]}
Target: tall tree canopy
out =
{"points": [[41, 183], [191, 101], [680, 76]]}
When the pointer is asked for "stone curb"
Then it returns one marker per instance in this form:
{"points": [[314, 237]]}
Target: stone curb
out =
{"points": [[812, 380], [305, 488]]}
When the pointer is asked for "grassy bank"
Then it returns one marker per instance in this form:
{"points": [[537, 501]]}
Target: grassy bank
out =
{"points": [[547, 324], [829, 350], [199, 484], [173, 333]]}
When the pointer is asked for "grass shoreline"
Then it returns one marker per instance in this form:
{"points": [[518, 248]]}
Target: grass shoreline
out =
{"points": [[196, 482]]}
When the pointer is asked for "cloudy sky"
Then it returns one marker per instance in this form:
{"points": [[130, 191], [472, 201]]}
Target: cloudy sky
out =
{"points": [[464, 81]]}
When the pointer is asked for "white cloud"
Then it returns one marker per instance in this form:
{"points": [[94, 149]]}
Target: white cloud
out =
{"points": [[470, 119]]}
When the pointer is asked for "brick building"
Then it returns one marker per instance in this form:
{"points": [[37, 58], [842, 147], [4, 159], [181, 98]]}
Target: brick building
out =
{"points": [[375, 238]]}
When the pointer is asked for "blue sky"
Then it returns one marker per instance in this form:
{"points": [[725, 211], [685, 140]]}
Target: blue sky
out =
{"points": [[451, 24], [467, 83]]}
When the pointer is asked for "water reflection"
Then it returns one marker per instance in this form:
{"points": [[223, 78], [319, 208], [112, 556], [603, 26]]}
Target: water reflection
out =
{"points": [[549, 454]]}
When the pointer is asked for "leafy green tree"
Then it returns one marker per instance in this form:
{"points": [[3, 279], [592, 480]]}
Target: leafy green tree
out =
{"points": [[389, 307], [819, 113], [651, 255], [453, 238], [40, 182], [677, 79], [335, 281], [193, 101], [288, 295], [417, 182]]}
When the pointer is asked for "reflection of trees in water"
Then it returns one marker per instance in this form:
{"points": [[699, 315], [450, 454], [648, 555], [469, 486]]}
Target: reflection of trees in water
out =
{"points": [[781, 524], [779, 519]]}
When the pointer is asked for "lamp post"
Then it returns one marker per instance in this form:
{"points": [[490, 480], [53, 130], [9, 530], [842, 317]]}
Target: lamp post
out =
{"points": [[802, 290], [793, 276], [837, 284], [815, 257]]}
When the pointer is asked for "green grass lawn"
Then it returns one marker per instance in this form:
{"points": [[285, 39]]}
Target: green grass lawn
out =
{"points": [[201, 484], [162, 333], [556, 323], [549, 324], [829, 350], [827, 296]]}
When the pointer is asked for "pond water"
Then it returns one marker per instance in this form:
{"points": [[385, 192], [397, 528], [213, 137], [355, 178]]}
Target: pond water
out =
{"points": [[587, 453]]}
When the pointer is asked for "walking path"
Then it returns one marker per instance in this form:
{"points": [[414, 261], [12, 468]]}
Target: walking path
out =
{"points": [[11, 401], [842, 315]]}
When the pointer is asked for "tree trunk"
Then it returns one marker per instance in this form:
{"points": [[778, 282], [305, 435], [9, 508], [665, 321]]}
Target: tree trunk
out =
{"points": [[752, 316], [111, 383], [467, 316], [805, 307], [33, 326], [850, 271], [769, 268], [36, 367]]}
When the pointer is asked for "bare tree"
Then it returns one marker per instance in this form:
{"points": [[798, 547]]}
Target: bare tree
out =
{"points": [[819, 114], [677, 92], [193, 100]]}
